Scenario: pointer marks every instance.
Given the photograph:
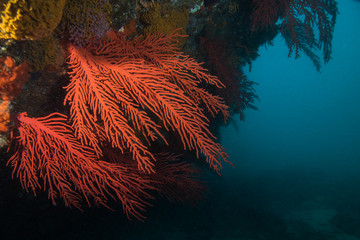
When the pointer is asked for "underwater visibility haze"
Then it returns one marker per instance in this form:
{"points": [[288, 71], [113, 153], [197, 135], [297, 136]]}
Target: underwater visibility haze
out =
{"points": [[112, 119]]}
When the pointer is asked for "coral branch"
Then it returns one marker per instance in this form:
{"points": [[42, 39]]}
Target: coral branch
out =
{"points": [[298, 19], [48, 155], [116, 84]]}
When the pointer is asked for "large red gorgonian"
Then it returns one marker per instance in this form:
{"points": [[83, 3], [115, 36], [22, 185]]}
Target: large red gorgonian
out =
{"points": [[123, 95]]}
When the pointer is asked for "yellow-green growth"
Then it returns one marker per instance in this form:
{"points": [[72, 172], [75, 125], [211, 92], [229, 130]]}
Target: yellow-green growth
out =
{"points": [[29, 19], [166, 18]]}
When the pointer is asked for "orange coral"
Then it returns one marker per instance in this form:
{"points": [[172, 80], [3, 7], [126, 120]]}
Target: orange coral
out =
{"points": [[70, 170], [119, 91], [58, 162], [12, 78], [117, 84], [4, 117]]}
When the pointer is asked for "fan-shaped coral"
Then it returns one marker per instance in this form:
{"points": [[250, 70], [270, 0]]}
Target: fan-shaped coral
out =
{"points": [[116, 84], [49, 156]]}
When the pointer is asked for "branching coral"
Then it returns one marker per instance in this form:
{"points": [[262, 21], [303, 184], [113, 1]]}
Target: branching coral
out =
{"points": [[129, 98], [29, 19], [297, 21], [239, 92], [118, 84], [123, 96], [70, 170], [59, 163]]}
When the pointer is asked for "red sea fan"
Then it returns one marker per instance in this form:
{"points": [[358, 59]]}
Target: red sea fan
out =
{"points": [[266, 13], [118, 86], [306, 25], [48, 155], [239, 93], [123, 95]]}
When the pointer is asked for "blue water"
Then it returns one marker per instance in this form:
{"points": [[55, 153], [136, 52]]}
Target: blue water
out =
{"points": [[305, 118], [299, 153]]}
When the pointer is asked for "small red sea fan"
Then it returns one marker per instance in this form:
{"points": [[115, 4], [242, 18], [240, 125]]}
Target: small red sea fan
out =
{"points": [[47, 155]]}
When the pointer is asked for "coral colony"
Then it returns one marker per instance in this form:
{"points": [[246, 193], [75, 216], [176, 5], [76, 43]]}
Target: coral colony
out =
{"points": [[130, 98]]}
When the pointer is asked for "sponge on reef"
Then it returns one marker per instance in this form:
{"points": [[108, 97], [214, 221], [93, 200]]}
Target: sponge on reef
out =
{"points": [[29, 19]]}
